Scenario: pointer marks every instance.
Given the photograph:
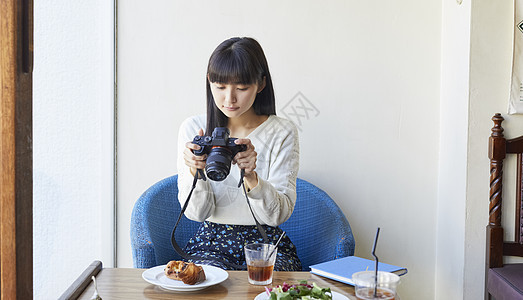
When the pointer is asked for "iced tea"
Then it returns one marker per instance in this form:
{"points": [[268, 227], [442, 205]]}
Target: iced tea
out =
{"points": [[259, 271], [381, 294]]}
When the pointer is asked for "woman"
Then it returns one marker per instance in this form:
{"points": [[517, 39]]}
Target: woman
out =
{"points": [[240, 96]]}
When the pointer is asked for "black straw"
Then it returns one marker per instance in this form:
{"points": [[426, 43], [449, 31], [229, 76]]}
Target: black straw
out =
{"points": [[376, 258]]}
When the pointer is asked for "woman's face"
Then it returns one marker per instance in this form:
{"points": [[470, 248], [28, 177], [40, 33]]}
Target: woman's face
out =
{"points": [[234, 99]]}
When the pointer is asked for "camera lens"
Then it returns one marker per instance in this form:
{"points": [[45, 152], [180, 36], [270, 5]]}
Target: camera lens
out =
{"points": [[218, 163]]}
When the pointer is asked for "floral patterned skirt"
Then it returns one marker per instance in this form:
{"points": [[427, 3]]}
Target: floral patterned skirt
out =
{"points": [[225, 242]]}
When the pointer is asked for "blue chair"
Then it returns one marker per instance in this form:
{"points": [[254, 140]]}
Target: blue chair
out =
{"points": [[317, 227]]}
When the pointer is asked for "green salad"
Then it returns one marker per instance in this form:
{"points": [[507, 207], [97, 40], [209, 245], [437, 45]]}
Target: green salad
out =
{"points": [[301, 290]]}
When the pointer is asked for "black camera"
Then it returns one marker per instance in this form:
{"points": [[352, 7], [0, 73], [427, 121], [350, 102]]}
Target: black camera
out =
{"points": [[220, 149]]}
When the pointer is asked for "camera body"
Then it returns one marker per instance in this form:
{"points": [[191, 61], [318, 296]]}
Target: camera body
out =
{"points": [[220, 150]]}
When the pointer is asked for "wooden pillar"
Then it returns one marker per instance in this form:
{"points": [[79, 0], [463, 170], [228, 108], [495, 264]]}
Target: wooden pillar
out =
{"points": [[497, 152], [16, 175]]}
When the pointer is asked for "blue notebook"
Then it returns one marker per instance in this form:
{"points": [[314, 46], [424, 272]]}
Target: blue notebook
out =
{"points": [[343, 268]]}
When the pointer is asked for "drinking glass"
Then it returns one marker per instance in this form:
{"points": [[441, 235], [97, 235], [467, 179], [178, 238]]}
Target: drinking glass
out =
{"points": [[260, 260]]}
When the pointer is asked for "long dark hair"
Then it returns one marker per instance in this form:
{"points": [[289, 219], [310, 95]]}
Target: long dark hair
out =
{"points": [[239, 60]]}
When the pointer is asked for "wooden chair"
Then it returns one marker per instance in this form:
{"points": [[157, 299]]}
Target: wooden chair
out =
{"points": [[504, 281]]}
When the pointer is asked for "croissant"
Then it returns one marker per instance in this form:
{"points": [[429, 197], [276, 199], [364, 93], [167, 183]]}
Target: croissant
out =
{"points": [[189, 273]]}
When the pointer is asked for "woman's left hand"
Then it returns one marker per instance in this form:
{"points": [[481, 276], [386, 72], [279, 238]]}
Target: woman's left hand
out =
{"points": [[246, 160]]}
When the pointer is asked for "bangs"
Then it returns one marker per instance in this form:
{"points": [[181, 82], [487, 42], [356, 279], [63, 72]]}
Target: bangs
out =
{"points": [[233, 67]]}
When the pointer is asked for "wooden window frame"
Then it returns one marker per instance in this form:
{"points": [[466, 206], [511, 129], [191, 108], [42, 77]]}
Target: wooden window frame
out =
{"points": [[16, 153]]}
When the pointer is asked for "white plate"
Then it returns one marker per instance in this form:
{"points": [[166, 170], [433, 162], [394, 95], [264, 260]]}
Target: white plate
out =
{"points": [[335, 296], [156, 276]]}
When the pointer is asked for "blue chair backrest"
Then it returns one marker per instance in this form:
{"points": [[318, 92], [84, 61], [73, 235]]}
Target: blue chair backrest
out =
{"points": [[152, 222], [317, 226]]}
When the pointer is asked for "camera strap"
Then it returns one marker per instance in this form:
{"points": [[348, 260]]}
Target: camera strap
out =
{"points": [[182, 253], [258, 225]]}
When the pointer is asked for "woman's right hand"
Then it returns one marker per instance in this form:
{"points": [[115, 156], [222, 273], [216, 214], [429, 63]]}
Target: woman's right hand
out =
{"points": [[193, 161]]}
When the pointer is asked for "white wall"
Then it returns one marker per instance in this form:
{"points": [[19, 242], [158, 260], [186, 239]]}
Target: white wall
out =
{"points": [[73, 141], [490, 69], [372, 69], [450, 226]]}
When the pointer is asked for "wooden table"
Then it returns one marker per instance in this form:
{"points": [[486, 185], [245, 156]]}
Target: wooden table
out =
{"points": [[122, 283]]}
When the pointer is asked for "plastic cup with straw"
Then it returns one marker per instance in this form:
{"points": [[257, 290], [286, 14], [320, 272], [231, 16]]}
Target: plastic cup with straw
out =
{"points": [[375, 284]]}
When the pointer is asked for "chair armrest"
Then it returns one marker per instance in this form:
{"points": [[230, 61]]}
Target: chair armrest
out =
{"points": [[346, 245], [141, 244], [144, 257]]}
